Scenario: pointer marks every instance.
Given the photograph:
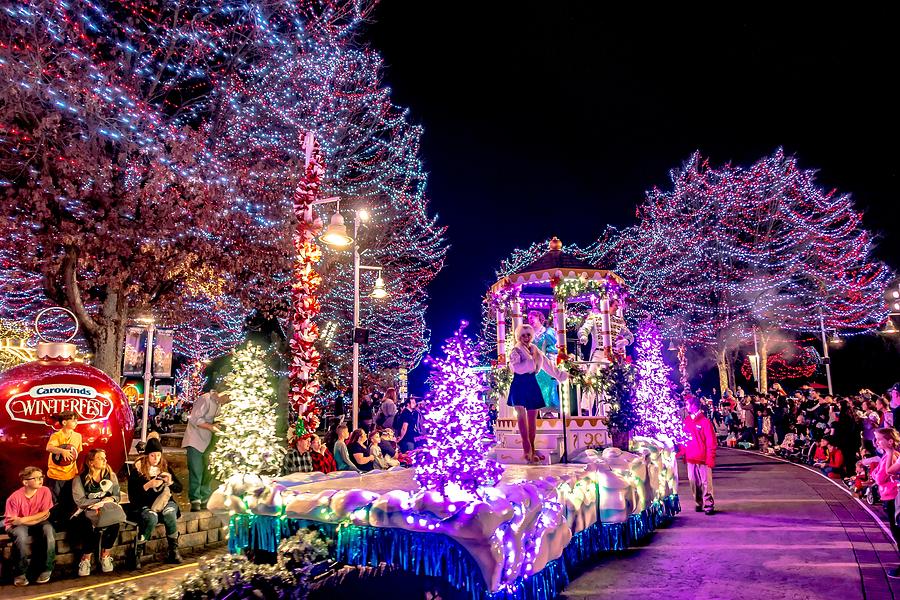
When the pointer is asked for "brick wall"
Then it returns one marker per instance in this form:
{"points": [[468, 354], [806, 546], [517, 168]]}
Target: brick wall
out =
{"points": [[198, 530]]}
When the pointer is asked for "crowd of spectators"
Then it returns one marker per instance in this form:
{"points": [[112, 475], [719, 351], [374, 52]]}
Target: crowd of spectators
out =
{"points": [[389, 432], [836, 434]]}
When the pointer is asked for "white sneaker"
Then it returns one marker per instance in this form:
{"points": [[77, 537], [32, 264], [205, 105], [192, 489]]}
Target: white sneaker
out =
{"points": [[84, 567], [106, 563]]}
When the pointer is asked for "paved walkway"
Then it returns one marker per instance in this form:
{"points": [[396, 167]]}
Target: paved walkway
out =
{"points": [[155, 575], [782, 532]]}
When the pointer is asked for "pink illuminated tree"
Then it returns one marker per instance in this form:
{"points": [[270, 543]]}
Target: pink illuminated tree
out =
{"points": [[732, 249], [456, 422], [654, 396]]}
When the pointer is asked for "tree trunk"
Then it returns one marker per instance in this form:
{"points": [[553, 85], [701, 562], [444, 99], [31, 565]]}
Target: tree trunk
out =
{"points": [[108, 339], [722, 364]]}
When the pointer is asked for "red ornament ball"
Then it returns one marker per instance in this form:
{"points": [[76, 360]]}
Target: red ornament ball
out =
{"points": [[33, 394], [61, 460]]}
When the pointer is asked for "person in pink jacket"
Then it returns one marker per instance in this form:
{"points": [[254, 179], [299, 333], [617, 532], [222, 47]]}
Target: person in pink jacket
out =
{"points": [[700, 455], [887, 440]]}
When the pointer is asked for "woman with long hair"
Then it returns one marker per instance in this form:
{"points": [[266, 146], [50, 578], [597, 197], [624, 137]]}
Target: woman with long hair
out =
{"points": [[96, 489], [359, 450], [887, 440], [151, 485], [525, 361]]}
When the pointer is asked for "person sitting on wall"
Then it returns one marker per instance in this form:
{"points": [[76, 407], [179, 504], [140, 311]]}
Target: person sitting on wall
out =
{"points": [[96, 494], [382, 461], [64, 447], [151, 484], [358, 448], [28, 515], [341, 454], [299, 459]]}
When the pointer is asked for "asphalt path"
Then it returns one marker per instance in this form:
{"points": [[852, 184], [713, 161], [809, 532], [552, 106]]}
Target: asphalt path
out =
{"points": [[781, 531]]}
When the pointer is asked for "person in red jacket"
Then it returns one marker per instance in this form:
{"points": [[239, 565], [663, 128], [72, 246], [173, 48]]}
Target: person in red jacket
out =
{"points": [[834, 468], [700, 455]]}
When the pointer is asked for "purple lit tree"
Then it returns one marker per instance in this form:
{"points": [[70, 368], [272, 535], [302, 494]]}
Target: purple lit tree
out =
{"points": [[455, 461], [654, 396]]}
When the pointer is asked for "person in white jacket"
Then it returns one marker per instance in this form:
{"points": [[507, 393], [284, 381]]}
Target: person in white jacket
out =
{"points": [[525, 361]]}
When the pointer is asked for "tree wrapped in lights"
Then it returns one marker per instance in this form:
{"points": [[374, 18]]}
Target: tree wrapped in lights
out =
{"points": [[250, 443], [109, 117], [454, 461], [323, 81], [305, 356], [730, 249], [189, 380], [188, 124], [654, 397]]}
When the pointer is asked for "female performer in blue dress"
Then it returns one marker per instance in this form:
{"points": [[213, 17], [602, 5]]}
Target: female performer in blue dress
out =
{"points": [[526, 361]]}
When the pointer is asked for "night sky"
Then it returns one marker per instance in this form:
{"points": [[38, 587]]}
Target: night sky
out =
{"points": [[554, 118]]}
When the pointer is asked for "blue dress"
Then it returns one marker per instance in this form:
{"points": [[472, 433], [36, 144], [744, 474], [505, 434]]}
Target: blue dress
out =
{"points": [[525, 391], [546, 342]]}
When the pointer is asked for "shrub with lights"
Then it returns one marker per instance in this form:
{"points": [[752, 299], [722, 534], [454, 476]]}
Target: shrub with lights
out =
{"points": [[454, 462]]}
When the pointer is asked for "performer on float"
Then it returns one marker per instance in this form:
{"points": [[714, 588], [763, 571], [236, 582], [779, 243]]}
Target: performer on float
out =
{"points": [[545, 340], [526, 361], [600, 356]]}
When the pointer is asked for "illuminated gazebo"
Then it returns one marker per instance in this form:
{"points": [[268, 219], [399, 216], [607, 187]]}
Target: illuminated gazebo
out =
{"points": [[556, 282]]}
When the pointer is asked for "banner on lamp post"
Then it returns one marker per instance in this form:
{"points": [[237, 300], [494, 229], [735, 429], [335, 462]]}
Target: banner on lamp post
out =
{"points": [[162, 353], [135, 351]]}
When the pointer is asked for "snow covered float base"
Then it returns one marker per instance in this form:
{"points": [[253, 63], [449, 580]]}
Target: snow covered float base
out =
{"points": [[536, 528]]}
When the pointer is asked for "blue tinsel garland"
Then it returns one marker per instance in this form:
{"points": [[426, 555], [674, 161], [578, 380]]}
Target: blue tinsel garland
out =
{"points": [[436, 555]]}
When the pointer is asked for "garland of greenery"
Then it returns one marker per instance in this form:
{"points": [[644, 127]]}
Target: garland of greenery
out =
{"points": [[615, 382], [500, 380]]}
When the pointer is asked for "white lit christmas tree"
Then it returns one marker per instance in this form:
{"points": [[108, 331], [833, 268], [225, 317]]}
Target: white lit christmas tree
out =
{"points": [[454, 462], [249, 443], [654, 397]]}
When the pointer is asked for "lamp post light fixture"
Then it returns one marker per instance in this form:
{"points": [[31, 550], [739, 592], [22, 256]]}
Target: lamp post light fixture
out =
{"points": [[145, 318], [889, 327], [335, 236]]}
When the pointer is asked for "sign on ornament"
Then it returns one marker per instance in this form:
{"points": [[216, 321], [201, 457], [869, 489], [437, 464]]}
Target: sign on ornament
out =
{"points": [[42, 403]]}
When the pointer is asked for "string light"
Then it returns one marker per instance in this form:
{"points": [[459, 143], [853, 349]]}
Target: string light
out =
{"points": [[654, 397]]}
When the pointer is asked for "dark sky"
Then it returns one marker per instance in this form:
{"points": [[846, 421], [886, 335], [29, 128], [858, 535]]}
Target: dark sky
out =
{"points": [[549, 119]]}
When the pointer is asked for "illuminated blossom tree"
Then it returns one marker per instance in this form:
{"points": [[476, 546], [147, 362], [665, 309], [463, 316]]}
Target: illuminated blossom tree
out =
{"points": [[112, 199], [250, 443], [455, 458], [150, 152], [729, 250], [654, 398]]}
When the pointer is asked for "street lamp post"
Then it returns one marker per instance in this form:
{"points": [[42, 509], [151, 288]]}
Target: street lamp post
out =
{"points": [[336, 237], [827, 360], [148, 370]]}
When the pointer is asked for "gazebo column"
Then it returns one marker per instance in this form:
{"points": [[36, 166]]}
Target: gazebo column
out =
{"points": [[516, 306], [501, 337], [559, 324], [605, 329]]}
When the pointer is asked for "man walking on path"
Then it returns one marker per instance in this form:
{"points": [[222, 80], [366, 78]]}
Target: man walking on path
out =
{"points": [[198, 440], [700, 455]]}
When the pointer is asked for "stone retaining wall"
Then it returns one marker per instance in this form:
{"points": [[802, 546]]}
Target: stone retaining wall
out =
{"points": [[198, 530]]}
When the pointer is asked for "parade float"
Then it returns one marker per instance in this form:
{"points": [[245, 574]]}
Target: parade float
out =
{"points": [[486, 529], [577, 297]]}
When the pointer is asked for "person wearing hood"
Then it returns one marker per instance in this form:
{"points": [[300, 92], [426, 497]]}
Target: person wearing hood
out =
{"points": [[700, 455], [151, 486]]}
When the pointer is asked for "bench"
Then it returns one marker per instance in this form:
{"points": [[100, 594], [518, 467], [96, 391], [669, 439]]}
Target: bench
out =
{"points": [[198, 530]]}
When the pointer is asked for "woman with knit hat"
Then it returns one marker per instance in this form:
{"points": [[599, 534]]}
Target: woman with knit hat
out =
{"points": [[150, 488]]}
